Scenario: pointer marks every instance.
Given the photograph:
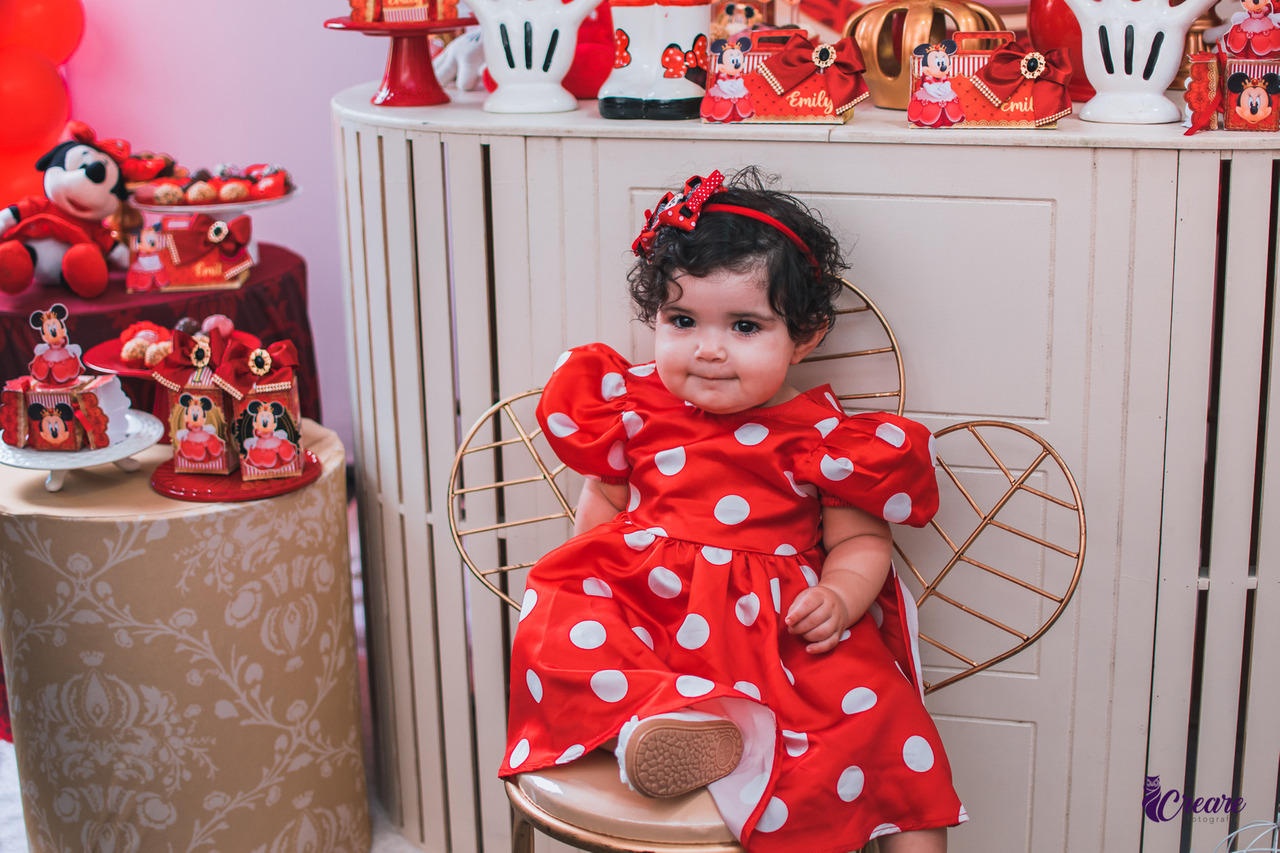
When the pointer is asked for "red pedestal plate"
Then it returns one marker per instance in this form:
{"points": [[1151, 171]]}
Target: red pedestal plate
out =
{"points": [[410, 78]]}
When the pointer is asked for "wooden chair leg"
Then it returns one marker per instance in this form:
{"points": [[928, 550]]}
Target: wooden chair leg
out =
{"points": [[521, 835]]}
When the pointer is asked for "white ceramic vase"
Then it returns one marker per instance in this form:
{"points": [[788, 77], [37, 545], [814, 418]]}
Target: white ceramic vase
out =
{"points": [[528, 47], [1132, 50]]}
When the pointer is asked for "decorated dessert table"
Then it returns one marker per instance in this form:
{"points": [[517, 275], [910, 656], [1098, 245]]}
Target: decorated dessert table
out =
{"points": [[272, 305], [1104, 284], [182, 676]]}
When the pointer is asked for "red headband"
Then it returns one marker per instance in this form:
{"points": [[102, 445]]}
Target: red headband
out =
{"points": [[682, 211]]}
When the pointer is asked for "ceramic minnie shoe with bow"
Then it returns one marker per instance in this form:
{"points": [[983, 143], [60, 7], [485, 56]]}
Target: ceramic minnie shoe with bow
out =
{"points": [[660, 60]]}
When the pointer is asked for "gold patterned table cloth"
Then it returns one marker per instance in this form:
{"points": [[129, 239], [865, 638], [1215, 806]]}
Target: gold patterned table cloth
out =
{"points": [[182, 676]]}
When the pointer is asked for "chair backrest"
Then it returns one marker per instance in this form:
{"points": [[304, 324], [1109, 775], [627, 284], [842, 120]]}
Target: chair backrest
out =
{"points": [[861, 353], [991, 573], [1000, 561]]}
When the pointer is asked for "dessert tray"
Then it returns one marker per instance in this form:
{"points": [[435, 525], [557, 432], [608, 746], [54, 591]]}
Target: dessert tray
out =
{"points": [[216, 488]]}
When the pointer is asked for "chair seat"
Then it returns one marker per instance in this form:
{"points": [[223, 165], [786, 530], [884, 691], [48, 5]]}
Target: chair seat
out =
{"points": [[589, 795]]}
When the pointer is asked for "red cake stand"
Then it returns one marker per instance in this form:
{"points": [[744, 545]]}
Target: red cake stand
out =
{"points": [[410, 79]]}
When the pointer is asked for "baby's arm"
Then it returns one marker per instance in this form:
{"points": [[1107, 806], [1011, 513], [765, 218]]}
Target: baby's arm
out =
{"points": [[859, 547], [599, 503]]}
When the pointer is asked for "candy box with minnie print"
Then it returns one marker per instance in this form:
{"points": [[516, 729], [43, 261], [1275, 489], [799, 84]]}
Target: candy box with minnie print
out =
{"points": [[56, 407], [265, 412], [84, 415], [783, 77], [1250, 93], [1232, 93], [200, 415], [1011, 85], [200, 252]]}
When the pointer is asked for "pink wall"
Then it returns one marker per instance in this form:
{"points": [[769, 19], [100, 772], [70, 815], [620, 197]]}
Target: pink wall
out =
{"points": [[238, 81]]}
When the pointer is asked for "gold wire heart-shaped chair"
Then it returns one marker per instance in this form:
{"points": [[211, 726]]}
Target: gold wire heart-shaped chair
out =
{"points": [[994, 570]]}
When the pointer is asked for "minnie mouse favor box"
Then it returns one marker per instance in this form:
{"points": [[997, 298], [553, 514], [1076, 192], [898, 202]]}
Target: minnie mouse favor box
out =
{"points": [[265, 411], [199, 408], [56, 407]]}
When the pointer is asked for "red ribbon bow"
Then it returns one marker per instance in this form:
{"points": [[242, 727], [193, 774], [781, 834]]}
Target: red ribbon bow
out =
{"points": [[677, 210], [839, 65], [117, 149], [1016, 70], [190, 354], [205, 233], [244, 366]]}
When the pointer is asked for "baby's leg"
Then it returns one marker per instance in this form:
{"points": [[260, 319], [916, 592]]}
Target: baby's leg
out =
{"points": [[920, 841]]}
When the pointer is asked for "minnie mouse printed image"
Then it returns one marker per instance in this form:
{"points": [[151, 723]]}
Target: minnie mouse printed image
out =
{"points": [[267, 435], [195, 425], [147, 271], [1255, 31], [55, 425], [728, 99], [57, 360], [1251, 99], [935, 103]]}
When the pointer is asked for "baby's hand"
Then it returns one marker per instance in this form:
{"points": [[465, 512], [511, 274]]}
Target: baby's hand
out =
{"points": [[818, 615]]}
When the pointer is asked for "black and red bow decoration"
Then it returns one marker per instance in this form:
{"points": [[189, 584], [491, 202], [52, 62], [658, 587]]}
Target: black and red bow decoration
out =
{"points": [[245, 366], [205, 233], [1016, 71], [679, 210], [838, 65], [190, 354]]}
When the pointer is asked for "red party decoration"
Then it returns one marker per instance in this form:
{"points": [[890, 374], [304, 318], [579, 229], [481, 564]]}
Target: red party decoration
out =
{"points": [[19, 177], [1052, 25], [33, 98], [50, 27]]}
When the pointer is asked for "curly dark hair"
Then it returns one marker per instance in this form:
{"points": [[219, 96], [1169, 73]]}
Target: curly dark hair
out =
{"points": [[730, 241]]}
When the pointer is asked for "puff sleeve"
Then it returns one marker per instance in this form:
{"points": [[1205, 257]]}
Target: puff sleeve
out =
{"points": [[879, 463], [581, 412]]}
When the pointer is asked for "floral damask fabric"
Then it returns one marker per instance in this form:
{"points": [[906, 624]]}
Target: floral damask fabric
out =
{"points": [[182, 677]]}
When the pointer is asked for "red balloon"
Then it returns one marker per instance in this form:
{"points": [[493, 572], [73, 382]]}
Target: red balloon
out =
{"points": [[51, 27], [33, 99], [19, 177]]}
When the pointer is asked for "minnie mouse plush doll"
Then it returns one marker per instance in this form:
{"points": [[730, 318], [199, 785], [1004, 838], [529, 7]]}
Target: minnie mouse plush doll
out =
{"points": [[60, 238]]}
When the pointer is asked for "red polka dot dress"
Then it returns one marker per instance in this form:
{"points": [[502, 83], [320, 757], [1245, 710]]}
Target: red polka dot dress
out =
{"points": [[679, 602]]}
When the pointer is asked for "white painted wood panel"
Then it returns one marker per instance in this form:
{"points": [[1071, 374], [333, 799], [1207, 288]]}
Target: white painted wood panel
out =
{"points": [[1060, 280]]}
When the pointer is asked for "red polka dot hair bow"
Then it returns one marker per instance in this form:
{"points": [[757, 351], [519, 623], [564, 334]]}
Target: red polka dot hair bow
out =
{"points": [[679, 210]]}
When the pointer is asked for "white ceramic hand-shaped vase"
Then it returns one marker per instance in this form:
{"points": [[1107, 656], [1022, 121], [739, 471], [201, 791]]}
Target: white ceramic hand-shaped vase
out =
{"points": [[1132, 49], [529, 47]]}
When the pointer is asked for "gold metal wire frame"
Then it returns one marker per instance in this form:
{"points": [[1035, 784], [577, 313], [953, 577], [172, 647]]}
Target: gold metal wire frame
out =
{"points": [[493, 418], [1017, 483], [862, 304]]}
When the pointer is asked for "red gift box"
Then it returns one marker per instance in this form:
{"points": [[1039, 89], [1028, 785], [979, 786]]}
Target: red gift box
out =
{"points": [[1203, 96], [1009, 86], [199, 252], [88, 413], [200, 415], [263, 385], [783, 77], [1250, 91]]}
